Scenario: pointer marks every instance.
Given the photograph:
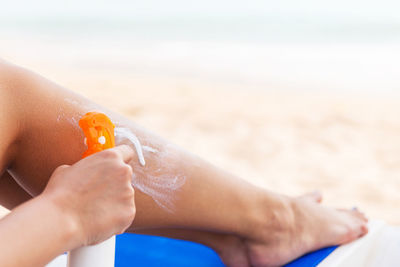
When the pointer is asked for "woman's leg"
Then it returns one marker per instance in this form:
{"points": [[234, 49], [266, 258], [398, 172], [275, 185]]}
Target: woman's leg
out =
{"points": [[231, 249], [11, 194], [176, 189]]}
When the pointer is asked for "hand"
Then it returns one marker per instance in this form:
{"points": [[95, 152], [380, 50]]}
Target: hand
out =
{"points": [[96, 194]]}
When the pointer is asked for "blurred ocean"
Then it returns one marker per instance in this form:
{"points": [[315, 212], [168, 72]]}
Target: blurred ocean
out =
{"points": [[237, 21], [346, 45]]}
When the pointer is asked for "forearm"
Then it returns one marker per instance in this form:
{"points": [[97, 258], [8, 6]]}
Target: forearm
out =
{"points": [[34, 233]]}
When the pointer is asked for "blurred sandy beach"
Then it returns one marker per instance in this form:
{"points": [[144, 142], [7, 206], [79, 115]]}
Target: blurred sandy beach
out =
{"points": [[313, 105]]}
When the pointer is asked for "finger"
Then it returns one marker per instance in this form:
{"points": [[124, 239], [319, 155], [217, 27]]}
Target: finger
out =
{"points": [[125, 152]]}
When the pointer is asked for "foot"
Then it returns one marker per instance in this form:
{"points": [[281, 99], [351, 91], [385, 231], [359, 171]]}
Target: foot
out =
{"points": [[305, 227]]}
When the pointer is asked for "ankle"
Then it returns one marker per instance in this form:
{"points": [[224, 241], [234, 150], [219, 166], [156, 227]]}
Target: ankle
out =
{"points": [[226, 243], [275, 218]]}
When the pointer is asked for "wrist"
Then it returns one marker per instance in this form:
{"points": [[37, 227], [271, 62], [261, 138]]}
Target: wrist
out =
{"points": [[67, 223]]}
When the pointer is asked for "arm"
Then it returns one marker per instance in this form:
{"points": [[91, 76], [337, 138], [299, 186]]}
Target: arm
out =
{"points": [[34, 233], [69, 213]]}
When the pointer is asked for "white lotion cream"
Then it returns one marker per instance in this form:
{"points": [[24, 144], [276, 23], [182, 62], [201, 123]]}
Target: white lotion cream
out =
{"points": [[155, 179], [125, 133]]}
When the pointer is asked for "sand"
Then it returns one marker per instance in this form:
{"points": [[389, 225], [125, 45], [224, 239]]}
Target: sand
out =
{"points": [[345, 144]]}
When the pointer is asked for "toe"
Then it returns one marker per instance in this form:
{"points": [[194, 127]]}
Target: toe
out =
{"points": [[364, 229], [314, 196], [356, 225], [360, 215], [355, 212], [360, 224], [357, 230]]}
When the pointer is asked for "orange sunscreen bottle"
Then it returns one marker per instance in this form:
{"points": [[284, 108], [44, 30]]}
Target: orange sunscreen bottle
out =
{"points": [[99, 132]]}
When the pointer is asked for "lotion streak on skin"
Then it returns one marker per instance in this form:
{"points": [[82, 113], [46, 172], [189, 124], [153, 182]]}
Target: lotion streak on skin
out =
{"points": [[152, 179], [125, 133]]}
